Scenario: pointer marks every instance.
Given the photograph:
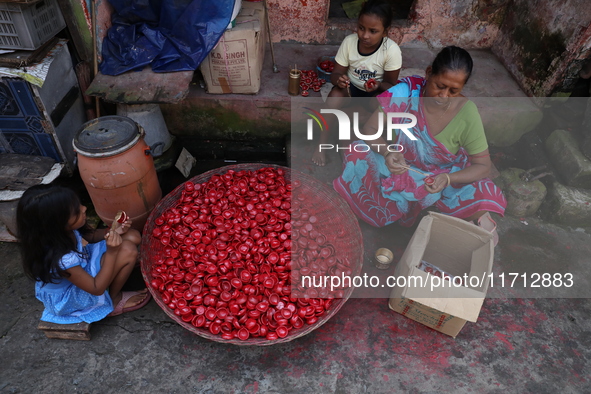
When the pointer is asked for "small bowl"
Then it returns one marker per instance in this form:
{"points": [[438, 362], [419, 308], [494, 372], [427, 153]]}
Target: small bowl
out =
{"points": [[383, 258], [321, 73]]}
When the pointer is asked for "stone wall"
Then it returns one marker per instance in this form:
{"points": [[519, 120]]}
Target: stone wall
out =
{"points": [[543, 43], [432, 23], [466, 23]]}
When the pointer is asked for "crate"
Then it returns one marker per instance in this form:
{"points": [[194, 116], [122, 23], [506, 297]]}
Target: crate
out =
{"points": [[28, 26]]}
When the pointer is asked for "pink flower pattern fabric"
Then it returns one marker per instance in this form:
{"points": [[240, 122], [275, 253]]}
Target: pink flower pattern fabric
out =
{"points": [[381, 198]]}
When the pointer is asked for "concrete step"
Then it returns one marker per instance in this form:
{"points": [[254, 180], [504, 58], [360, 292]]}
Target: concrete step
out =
{"points": [[266, 116]]}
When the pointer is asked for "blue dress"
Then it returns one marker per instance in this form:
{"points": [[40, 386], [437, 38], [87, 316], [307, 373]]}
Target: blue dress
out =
{"points": [[66, 303]]}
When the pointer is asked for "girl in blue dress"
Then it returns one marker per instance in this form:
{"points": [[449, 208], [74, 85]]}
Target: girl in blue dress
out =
{"points": [[79, 273]]}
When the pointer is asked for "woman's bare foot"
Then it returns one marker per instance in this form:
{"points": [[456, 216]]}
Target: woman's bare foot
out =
{"points": [[319, 158]]}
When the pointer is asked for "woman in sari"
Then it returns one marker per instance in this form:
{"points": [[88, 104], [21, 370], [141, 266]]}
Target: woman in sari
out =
{"points": [[445, 166]]}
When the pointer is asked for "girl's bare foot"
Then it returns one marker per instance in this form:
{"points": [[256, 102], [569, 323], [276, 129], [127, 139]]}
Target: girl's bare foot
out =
{"points": [[132, 300], [319, 158]]}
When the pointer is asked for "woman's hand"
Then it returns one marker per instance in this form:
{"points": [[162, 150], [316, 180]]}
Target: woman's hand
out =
{"points": [[395, 162], [440, 182]]}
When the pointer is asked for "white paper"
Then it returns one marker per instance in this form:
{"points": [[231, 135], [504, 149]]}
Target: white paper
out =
{"points": [[185, 163]]}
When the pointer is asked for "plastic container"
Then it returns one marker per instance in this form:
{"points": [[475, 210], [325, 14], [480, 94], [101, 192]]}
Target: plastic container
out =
{"points": [[28, 26], [117, 169], [149, 117]]}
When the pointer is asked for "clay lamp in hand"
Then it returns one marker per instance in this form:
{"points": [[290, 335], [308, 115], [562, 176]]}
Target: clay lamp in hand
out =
{"points": [[120, 218], [370, 84]]}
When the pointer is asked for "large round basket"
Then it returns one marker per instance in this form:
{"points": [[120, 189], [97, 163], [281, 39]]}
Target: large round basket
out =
{"points": [[334, 216]]}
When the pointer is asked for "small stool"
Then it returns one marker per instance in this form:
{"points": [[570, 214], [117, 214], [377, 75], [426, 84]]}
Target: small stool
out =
{"points": [[76, 331]]}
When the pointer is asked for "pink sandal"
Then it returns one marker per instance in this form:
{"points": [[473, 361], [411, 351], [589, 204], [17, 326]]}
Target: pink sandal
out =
{"points": [[487, 223], [125, 296]]}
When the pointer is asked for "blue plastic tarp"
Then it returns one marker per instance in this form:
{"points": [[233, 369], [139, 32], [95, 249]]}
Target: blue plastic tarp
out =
{"points": [[171, 35]]}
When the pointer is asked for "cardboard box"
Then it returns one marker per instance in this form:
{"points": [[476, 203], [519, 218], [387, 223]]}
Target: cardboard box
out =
{"points": [[235, 64], [456, 247]]}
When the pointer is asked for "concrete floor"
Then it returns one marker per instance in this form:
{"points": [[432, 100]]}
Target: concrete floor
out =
{"points": [[523, 341], [489, 77]]}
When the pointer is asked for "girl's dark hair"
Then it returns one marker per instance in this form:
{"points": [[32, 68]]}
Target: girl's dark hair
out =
{"points": [[380, 8], [452, 58], [42, 217]]}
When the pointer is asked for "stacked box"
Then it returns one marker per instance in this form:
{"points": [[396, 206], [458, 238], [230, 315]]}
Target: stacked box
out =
{"points": [[235, 64]]}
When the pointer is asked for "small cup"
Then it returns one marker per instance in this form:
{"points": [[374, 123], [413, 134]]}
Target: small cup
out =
{"points": [[383, 258]]}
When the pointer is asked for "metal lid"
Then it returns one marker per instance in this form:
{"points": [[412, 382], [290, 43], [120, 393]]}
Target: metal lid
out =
{"points": [[106, 136]]}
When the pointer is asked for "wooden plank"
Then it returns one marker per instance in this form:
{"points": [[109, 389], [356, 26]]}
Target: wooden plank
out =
{"points": [[77, 331], [20, 1], [142, 87], [19, 172], [77, 19], [24, 58]]}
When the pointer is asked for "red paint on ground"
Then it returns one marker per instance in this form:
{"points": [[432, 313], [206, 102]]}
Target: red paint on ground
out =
{"points": [[430, 347], [512, 327], [534, 317], [503, 338], [296, 372]]}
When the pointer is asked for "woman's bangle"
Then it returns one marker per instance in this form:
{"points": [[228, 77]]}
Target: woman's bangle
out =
{"points": [[448, 179]]}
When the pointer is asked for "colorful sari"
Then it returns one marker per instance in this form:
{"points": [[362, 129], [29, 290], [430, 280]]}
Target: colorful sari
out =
{"points": [[381, 198]]}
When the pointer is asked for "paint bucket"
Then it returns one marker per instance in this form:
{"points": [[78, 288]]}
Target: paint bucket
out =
{"points": [[149, 117], [117, 169]]}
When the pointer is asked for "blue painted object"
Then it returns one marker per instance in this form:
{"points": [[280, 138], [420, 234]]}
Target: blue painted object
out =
{"points": [[22, 127], [169, 35]]}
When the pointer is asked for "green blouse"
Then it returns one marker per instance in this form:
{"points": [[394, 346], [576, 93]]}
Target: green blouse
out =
{"points": [[465, 130]]}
